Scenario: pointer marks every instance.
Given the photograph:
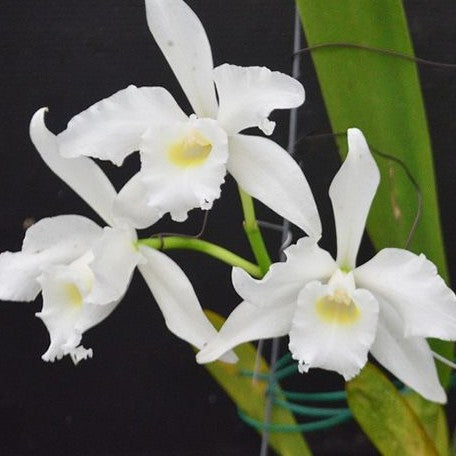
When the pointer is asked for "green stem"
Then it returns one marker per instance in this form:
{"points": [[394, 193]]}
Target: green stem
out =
{"points": [[213, 250], [253, 232]]}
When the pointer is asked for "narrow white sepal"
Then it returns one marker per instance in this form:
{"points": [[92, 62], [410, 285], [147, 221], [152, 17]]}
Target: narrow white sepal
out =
{"points": [[183, 41], [408, 358], [248, 322], [177, 300], [267, 172], [111, 129], [81, 174], [352, 191]]}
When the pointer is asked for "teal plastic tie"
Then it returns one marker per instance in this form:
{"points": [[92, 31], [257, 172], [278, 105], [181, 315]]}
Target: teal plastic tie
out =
{"points": [[305, 410], [301, 427], [331, 416], [327, 396]]}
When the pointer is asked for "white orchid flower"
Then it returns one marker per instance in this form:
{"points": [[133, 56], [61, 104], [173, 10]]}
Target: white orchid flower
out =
{"points": [[185, 159], [335, 312], [84, 270]]}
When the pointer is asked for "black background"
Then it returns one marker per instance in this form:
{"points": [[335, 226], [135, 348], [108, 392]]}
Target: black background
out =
{"points": [[143, 393]]}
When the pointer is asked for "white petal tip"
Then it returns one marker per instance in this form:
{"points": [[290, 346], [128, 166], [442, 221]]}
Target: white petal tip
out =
{"points": [[204, 357], [38, 117], [41, 111], [355, 133], [358, 146], [209, 355], [437, 395], [232, 360], [441, 398], [229, 358]]}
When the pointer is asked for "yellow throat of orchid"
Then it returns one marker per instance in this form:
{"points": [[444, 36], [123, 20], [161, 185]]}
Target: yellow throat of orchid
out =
{"points": [[77, 289], [192, 150], [73, 295], [337, 308]]}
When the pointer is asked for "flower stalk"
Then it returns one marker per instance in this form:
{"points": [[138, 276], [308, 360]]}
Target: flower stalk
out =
{"points": [[213, 250], [253, 232]]}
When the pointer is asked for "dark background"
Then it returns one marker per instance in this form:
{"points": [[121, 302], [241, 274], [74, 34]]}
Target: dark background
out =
{"points": [[143, 393]]}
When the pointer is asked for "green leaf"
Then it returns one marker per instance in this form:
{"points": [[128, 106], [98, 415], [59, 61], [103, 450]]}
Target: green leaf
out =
{"points": [[250, 395], [434, 420], [386, 417], [381, 95]]}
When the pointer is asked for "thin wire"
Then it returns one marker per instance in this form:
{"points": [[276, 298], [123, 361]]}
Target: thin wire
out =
{"points": [[327, 396], [364, 47], [286, 237], [305, 410], [276, 227], [293, 125], [418, 192], [256, 367], [268, 408], [270, 225], [284, 360], [190, 236], [286, 371], [251, 373]]}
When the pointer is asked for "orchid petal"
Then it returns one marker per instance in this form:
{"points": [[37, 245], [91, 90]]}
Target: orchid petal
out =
{"points": [[177, 300], [65, 312], [50, 232], [19, 271], [132, 204], [112, 128], [82, 174], [412, 285], [115, 258], [52, 240], [268, 173], [306, 262], [352, 191], [183, 41], [336, 338], [408, 358], [248, 322], [248, 95], [184, 166]]}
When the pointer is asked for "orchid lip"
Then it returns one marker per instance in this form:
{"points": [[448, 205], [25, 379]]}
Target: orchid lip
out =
{"points": [[190, 151], [337, 308], [73, 295]]}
